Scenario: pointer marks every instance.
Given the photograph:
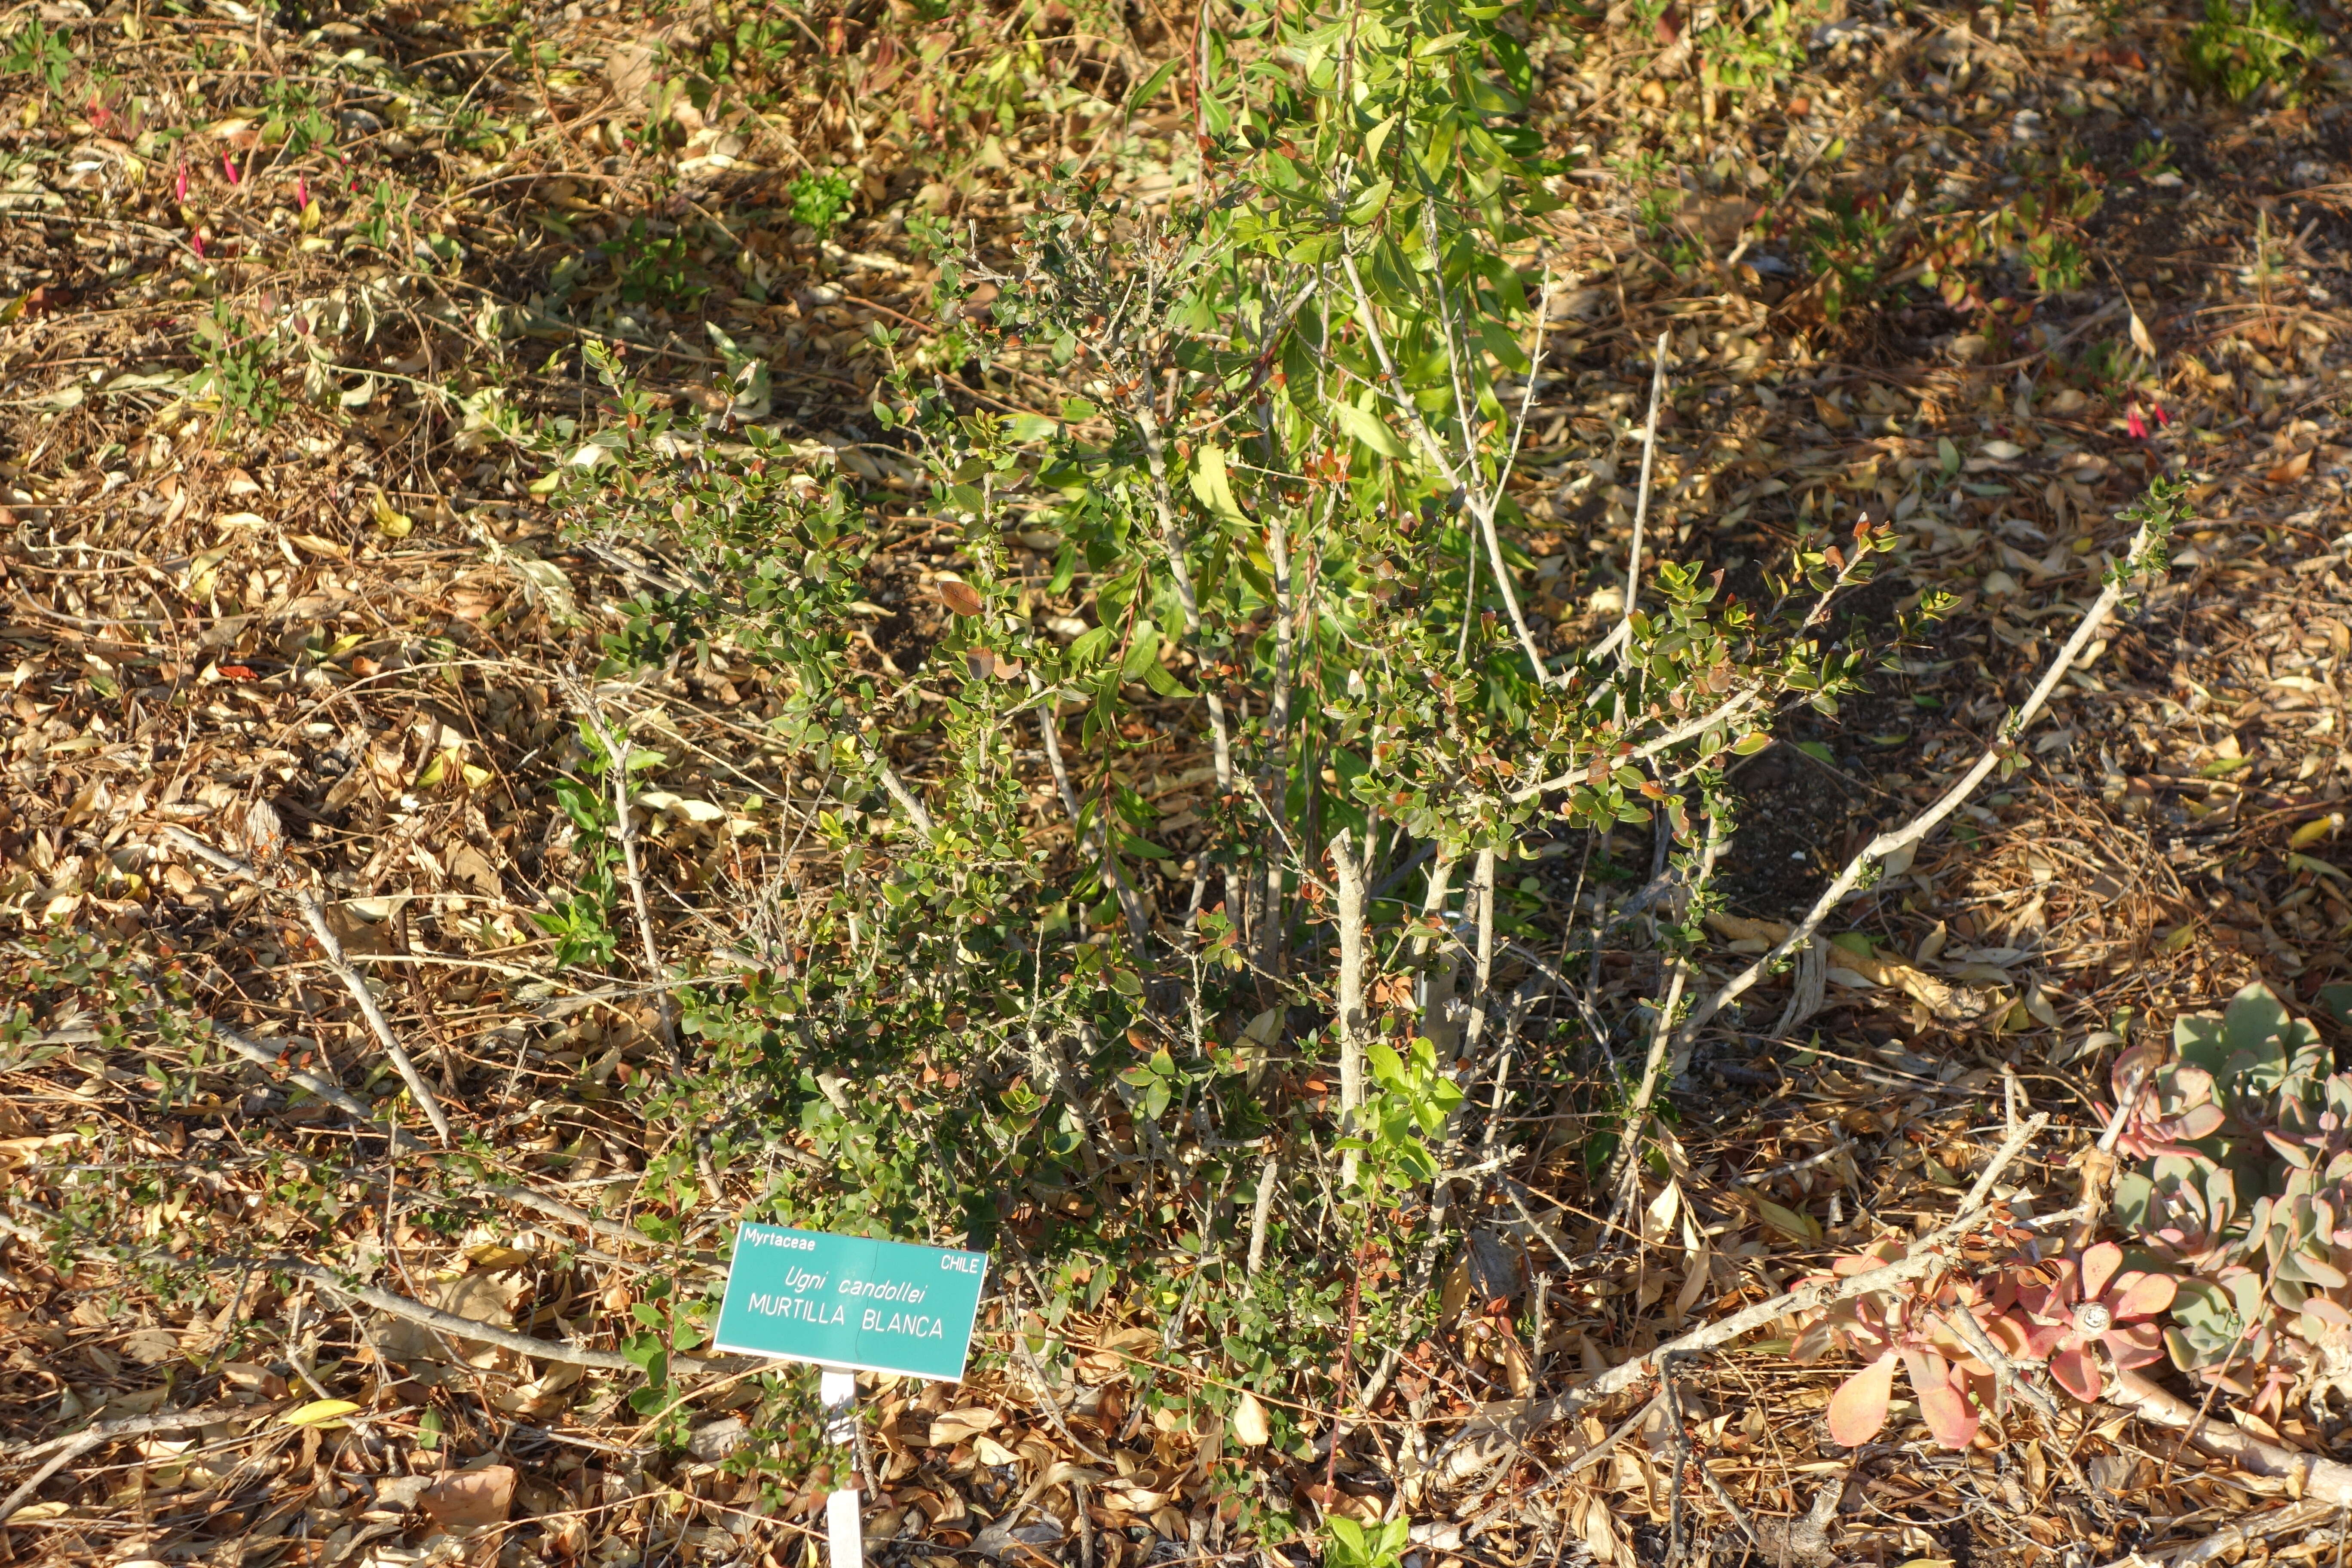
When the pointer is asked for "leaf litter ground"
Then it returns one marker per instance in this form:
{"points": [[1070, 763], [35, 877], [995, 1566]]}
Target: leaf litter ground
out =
{"points": [[360, 615]]}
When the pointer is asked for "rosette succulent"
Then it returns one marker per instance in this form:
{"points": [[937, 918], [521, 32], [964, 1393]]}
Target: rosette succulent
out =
{"points": [[2244, 1185], [2077, 1303], [1908, 1327]]}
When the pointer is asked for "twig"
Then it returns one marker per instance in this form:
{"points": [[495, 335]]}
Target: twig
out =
{"points": [[895, 788], [1052, 1407], [2007, 1377], [340, 1098], [2321, 1480], [1622, 637], [1515, 1418], [1928, 821], [1349, 868], [1260, 1211], [616, 753], [1637, 1114], [314, 915], [451, 1324], [1130, 904], [1480, 507], [2297, 1518], [134, 1426], [65, 1450], [1757, 1178]]}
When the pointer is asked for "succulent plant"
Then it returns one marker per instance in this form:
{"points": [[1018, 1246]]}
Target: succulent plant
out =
{"points": [[2184, 1208], [2076, 1303], [2244, 1187], [2268, 1068], [2168, 1106], [1905, 1326], [2235, 1206]]}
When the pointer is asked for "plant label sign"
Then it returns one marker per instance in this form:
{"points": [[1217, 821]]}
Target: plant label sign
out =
{"points": [[850, 1301]]}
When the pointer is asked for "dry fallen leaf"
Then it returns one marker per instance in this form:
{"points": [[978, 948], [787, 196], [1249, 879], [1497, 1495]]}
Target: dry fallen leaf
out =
{"points": [[2294, 469], [470, 1499], [1248, 1422], [328, 1413], [955, 1426], [960, 597]]}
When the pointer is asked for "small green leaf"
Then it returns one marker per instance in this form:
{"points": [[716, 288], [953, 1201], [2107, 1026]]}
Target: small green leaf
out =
{"points": [[1152, 84], [1212, 485], [1368, 428], [1789, 1222], [1156, 676]]}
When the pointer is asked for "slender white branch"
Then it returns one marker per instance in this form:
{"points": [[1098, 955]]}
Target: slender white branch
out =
{"points": [[1350, 866], [314, 915], [1622, 641], [1480, 507], [1130, 904], [616, 751], [1928, 821], [1518, 1419]]}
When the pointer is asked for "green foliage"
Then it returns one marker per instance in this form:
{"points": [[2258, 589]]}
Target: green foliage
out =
{"points": [[1756, 49], [1347, 1544], [386, 216], [292, 121], [1269, 523], [1848, 247], [582, 921], [748, 52], [2246, 50], [820, 197], [34, 51], [238, 363], [651, 267]]}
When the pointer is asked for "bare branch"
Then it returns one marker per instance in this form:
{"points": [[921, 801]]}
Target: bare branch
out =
{"points": [[1928, 821]]}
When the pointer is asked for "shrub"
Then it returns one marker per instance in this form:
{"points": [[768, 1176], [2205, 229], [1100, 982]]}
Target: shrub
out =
{"points": [[2260, 44], [1265, 538]]}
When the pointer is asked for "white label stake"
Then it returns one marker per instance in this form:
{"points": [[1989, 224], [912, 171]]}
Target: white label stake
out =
{"points": [[838, 1388]]}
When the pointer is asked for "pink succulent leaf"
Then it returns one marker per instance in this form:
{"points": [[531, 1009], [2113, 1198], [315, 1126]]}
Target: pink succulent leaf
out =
{"points": [[2135, 425], [2014, 1338], [2076, 1372], [2327, 1311], [2198, 1121], [2099, 1266], [1858, 1409], [2134, 1346], [2143, 1297], [1943, 1398]]}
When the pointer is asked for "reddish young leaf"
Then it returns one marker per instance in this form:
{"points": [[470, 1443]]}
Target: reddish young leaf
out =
{"points": [[1858, 1409]]}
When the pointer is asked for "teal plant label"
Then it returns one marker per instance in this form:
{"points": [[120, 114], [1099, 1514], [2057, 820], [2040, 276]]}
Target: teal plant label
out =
{"points": [[847, 1301]]}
